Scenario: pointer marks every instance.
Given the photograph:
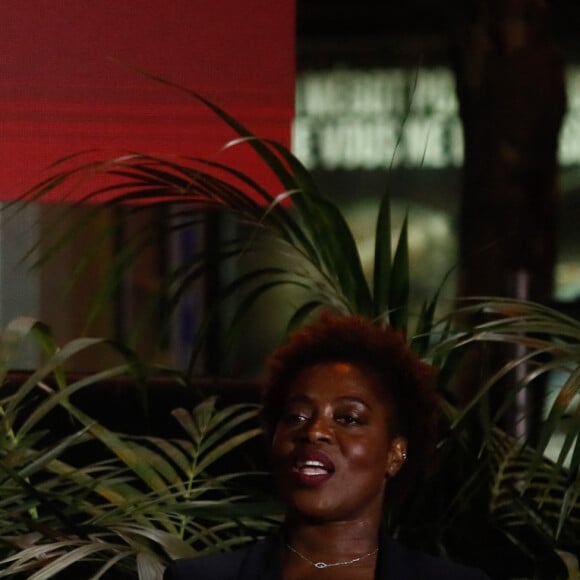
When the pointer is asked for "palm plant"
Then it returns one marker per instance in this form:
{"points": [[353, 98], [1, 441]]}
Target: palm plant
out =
{"points": [[526, 503], [136, 501], [299, 223], [547, 347], [484, 477]]}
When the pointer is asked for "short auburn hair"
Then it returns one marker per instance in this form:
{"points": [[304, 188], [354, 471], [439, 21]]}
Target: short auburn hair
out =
{"points": [[407, 381]]}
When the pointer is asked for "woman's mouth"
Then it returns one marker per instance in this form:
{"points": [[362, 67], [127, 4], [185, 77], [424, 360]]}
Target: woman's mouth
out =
{"points": [[313, 468]]}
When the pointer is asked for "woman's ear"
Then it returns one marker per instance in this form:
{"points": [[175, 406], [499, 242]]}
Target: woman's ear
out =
{"points": [[397, 456]]}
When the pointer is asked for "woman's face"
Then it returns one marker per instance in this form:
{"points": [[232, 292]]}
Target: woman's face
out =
{"points": [[331, 449]]}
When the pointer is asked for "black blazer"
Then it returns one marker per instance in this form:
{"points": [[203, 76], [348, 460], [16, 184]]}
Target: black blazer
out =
{"points": [[261, 561]]}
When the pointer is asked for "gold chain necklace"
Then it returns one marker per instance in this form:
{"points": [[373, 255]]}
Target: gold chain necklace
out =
{"points": [[321, 565]]}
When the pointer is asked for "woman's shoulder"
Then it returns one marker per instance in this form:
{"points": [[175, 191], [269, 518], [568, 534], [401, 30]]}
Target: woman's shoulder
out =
{"points": [[230, 565], [404, 562]]}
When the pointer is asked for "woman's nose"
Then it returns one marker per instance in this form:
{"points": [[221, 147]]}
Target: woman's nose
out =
{"points": [[318, 429]]}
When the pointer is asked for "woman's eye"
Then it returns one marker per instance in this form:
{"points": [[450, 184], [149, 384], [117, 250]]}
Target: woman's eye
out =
{"points": [[294, 417], [348, 420]]}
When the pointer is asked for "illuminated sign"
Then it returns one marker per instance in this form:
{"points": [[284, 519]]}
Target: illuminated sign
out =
{"points": [[373, 119]]}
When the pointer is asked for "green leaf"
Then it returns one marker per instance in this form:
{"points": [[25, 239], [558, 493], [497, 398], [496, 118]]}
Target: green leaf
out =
{"points": [[400, 283], [382, 265]]}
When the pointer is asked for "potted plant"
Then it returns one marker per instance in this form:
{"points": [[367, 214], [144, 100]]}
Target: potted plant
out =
{"points": [[91, 502], [484, 479]]}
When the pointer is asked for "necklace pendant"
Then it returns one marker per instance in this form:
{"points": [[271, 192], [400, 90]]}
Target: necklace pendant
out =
{"points": [[321, 565]]}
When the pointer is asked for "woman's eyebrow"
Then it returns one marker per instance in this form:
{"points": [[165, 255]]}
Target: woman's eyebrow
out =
{"points": [[353, 399], [346, 399]]}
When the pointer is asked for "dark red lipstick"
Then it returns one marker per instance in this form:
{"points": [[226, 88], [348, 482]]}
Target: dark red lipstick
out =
{"points": [[312, 467]]}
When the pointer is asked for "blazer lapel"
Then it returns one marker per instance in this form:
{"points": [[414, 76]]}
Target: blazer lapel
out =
{"points": [[263, 560], [393, 561]]}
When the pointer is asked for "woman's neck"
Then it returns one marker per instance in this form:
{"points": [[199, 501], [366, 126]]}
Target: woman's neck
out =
{"points": [[332, 541]]}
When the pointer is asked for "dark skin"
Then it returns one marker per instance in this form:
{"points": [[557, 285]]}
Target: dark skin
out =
{"points": [[333, 455]]}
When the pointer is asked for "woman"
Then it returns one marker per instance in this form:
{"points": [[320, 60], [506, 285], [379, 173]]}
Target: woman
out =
{"points": [[348, 413]]}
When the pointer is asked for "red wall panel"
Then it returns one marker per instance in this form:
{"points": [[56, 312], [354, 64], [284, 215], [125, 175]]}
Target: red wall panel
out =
{"points": [[62, 88]]}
